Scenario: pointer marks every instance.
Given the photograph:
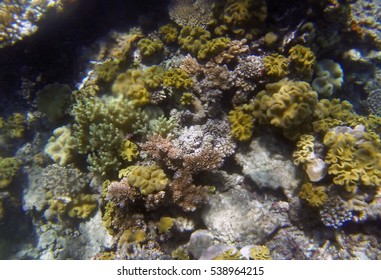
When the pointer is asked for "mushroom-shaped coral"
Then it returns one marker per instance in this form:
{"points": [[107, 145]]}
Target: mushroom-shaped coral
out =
{"points": [[149, 179], [315, 196], [303, 61], [61, 145], [242, 122], [193, 39], [286, 104], [276, 65], [329, 77]]}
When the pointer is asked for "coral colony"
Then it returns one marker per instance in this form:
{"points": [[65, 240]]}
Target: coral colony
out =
{"points": [[228, 131]]}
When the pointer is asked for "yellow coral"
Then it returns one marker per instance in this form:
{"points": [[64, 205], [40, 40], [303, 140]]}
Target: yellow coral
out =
{"points": [[129, 150], [193, 38], [303, 61], [230, 254], [354, 162], [187, 99], [315, 196], [305, 149], [149, 47], [165, 224], [82, 206], [128, 236], [242, 122], [178, 79], [286, 104], [260, 253], [276, 65], [149, 179]]}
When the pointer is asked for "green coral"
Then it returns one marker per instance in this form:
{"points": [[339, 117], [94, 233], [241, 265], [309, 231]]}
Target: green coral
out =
{"points": [[329, 77], [192, 39], [106, 70], [288, 105], [302, 61], [276, 65], [148, 48], [177, 78], [162, 126], [9, 167], [54, 100], [165, 224], [129, 150], [315, 196], [168, 33], [241, 121], [153, 77], [149, 179], [212, 48]]}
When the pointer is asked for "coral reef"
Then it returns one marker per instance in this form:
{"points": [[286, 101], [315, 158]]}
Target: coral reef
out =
{"points": [[213, 130]]}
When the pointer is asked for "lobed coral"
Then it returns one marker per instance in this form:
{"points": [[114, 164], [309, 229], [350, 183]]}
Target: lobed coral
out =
{"points": [[287, 104], [148, 48], [61, 145], [276, 65], [213, 48], [315, 196], [242, 122], [193, 39], [168, 33], [9, 167], [129, 150], [302, 61], [178, 79], [149, 179], [329, 77], [241, 18]]}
